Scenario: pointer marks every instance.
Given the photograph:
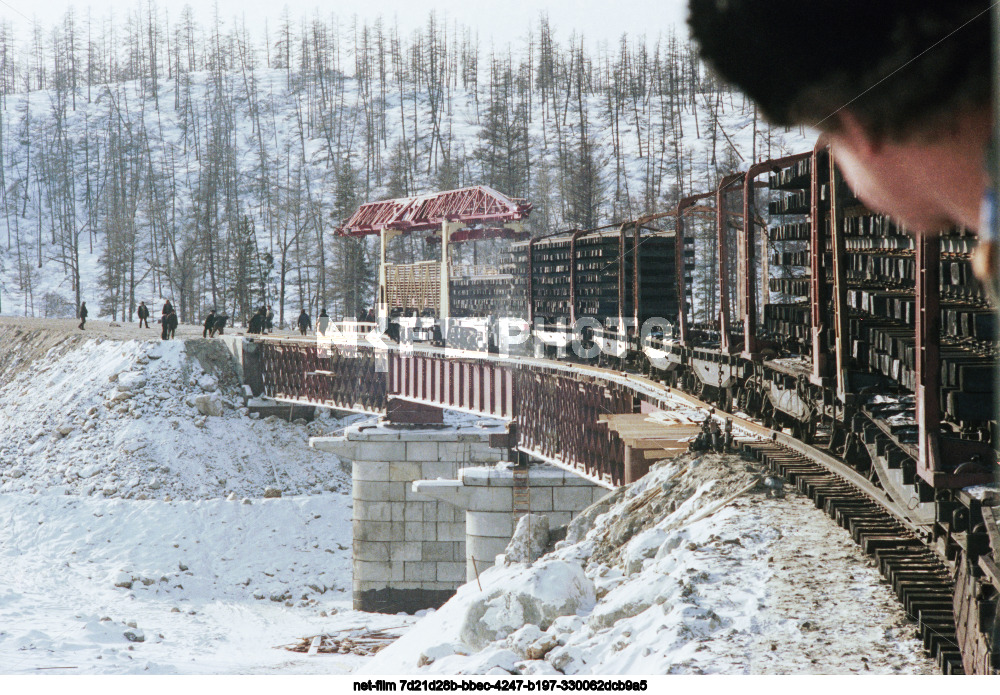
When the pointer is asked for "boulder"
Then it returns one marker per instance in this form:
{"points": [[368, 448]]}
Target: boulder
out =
{"points": [[519, 640], [134, 634], [208, 383], [209, 405], [537, 595], [90, 470], [529, 540], [271, 492], [542, 646], [130, 381]]}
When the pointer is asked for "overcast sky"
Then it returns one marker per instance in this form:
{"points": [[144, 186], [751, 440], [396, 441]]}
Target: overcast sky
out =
{"points": [[503, 20]]}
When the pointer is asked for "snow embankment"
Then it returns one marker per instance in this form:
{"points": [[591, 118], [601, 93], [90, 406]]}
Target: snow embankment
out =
{"points": [[690, 570], [136, 537], [141, 419]]}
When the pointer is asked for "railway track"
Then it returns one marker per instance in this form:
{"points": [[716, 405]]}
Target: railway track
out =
{"points": [[918, 576], [884, 529]]}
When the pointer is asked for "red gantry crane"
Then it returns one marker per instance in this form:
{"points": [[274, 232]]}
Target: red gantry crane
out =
{"points": [[493, 214]]}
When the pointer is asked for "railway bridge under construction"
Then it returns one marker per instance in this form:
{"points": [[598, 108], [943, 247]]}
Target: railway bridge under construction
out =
{"points": [[435, 499]]}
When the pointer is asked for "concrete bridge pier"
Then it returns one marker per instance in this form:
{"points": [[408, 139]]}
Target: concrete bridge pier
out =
{"points": [[408, 548], [486, 494]]}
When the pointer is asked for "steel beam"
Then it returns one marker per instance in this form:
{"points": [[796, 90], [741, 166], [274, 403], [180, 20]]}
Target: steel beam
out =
{"points": [[749, 290], [721, 216], [682, 206]]}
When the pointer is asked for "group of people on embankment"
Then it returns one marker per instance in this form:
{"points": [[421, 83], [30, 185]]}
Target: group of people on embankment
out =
{"points": [[262, 322]]}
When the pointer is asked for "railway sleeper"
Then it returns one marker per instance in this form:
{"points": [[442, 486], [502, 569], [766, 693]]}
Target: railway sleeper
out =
{"points": [[920, 580], [860, 529], [842, 494], [930, 620], [932, 600], [794, 475], [814, 485], [792, 469], [802, 482], [869, 543], [936, 639], [892, 565], [950, 661], [843, 514], [953, 668], [891, 571], [821, 498], [891, 557], [833, 506], [919, 587]]}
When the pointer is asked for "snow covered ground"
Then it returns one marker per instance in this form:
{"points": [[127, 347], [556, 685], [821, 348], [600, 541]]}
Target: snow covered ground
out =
{"points": [[148, 419], [211, 586], [684, 572], [126, 512], [104, 542]]}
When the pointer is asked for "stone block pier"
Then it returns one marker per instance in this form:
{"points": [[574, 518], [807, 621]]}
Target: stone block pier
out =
{"points": [[408, 548], [486, 494], [433, 505]]}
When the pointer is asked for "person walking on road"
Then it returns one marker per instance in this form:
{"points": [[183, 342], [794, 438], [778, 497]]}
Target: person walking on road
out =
{"points": [[170, 324], [143, 314], [83, 314], [304, 322], [256, 326], [209, 330]]}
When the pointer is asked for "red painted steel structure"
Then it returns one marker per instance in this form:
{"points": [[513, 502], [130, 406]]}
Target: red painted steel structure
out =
{"points": [[819, 365], [682, 206], [749, 289], [721, 218], [478, 204], [555, 415], [471, 385], [479, 234], [340, 378]]}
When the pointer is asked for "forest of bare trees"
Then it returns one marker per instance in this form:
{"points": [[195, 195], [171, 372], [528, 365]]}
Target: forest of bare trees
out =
{"points": [[151, 156]]}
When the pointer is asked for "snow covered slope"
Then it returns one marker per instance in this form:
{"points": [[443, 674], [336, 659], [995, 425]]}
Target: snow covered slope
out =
{"points": [[120, 551], [128, 419], [686, 571]]}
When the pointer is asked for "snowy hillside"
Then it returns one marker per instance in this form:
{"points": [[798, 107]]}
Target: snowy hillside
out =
{"points": [[215, 172]]}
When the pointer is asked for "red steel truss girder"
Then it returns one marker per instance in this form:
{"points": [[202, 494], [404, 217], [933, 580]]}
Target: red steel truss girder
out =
{"points": [[477, 233], [428, 212], [341, 379], [556, 415], [477, 386]]}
